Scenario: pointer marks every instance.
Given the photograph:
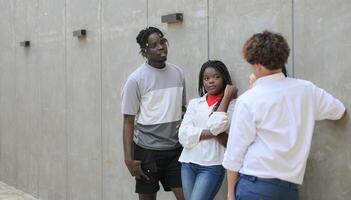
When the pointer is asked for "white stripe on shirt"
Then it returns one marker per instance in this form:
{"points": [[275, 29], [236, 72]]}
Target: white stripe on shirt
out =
{"points": [[161, 106]]}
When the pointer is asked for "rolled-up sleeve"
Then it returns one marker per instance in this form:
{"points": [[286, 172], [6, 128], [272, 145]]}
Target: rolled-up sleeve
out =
{"points": [[326, 106], [219, 122], [241, 135], [189, 134]]}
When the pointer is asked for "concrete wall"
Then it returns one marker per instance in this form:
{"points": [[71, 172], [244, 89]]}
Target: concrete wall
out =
{"points": [[322, 42], [60, 121]]}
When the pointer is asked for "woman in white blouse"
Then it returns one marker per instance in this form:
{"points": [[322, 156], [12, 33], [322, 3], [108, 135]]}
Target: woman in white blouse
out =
{"points": [[203, 132]]}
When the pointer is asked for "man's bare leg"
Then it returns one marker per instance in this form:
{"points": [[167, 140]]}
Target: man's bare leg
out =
{"points": [[147, 196], [178, 192]]}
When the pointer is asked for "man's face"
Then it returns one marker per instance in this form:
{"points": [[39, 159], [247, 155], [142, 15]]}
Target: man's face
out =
{"points": [[156, 49]]}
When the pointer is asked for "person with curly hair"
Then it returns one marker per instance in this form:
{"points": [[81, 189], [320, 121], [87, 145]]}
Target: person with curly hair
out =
{"points": [[272, 127]]}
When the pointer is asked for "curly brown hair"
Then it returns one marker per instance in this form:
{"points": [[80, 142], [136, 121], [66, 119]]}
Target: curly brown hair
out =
{"points": [[268, 49]]}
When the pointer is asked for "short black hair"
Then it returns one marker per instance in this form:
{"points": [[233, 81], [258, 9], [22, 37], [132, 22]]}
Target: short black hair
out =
{"points": [[220, 67], [144, 34]]}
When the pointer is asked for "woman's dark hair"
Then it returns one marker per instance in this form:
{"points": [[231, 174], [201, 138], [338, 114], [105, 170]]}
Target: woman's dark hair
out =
{"points": [[220, 67], [144, 34]]}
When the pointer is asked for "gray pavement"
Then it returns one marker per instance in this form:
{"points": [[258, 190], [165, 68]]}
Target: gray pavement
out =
{"points": [[8, 192]]}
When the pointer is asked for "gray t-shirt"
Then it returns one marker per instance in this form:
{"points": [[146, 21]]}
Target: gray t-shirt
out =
{"points": [[155, 96]]}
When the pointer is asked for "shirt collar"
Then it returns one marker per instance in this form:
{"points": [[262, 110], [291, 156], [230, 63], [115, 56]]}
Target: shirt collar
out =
{"points": [[203, 98], [156, 69], [270, 78]]}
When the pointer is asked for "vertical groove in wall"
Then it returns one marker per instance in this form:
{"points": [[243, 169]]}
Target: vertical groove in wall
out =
{"points": [[293, 38], [13, 7], [40, 100], [66, 104], [147, 13], [101, 116], [208, 29]]}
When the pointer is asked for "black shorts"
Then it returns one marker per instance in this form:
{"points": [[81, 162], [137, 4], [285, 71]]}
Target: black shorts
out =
{"points": [[159, 166]]}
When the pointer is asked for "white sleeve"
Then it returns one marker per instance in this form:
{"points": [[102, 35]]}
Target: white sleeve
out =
{"points": [[219, 121], [230, 112], [189, 135], [241, 135], [326, 106]]}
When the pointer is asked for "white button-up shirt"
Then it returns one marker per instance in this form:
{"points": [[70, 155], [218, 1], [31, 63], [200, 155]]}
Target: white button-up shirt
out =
{"points": [[272, 127], [196, 119]]}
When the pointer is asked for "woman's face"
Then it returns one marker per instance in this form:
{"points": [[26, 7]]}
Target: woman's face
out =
{"points": [[213, 81]]}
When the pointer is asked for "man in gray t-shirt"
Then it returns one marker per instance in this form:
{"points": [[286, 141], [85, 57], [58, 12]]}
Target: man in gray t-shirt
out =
{"points": [[152, 102]]}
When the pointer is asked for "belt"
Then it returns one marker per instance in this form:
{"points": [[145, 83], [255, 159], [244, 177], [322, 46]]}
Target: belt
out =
{"points": [[275, 181]]}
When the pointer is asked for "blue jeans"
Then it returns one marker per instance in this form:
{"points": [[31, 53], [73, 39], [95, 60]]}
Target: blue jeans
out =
{"points": [[201, 182], [254, 188]]}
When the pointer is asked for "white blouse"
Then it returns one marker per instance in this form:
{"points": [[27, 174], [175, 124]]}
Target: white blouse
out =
{"points": [[196, 119]]}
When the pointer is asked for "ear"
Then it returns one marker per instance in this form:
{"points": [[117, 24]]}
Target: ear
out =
{"points": [[258, 67], [143, 52]]}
